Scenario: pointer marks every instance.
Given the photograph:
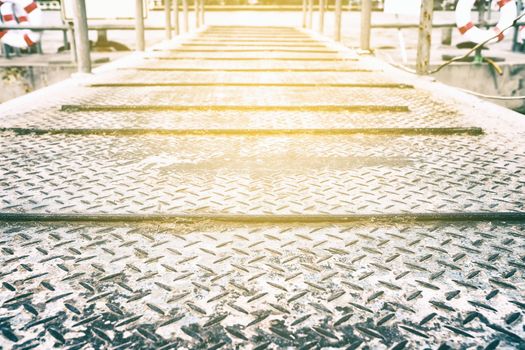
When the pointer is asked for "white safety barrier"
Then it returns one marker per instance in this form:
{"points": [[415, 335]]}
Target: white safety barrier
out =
{"points": [[508, 13], [23, 12]]}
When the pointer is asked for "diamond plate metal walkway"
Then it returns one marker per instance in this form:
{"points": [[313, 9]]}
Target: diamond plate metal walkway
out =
{"points": [[263, 188]]}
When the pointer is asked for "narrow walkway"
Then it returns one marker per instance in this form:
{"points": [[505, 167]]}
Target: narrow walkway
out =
{"points": [[258, 187]]}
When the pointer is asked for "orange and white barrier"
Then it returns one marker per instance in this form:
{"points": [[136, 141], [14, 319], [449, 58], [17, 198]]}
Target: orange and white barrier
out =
{"points": [[508, 13], [13, 12]]}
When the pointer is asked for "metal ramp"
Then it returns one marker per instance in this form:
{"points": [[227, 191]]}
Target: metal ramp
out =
{"points": [[258, 187]]}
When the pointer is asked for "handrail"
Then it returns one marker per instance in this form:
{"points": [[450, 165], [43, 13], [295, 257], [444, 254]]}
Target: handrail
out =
{"points": [[435, 25], [32, 27], [65, 27]]}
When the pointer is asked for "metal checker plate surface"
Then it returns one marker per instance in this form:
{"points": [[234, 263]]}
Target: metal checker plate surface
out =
{"points": [[310, 56], [268, 175], [429, 116], [257, 64], [254, 96], [259, 45], [425, 110], [206, 44], [377, 286], [244, 77]]}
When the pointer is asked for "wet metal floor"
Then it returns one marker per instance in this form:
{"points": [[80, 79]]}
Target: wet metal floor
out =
{"points": [[261, 188]]}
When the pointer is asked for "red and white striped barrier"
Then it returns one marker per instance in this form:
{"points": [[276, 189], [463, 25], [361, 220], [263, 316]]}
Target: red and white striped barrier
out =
{"points": [[13, 12], [508, 13]]}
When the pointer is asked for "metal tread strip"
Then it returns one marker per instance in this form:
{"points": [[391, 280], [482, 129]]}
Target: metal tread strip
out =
{"points": [[310, 108], [253, 36], [235, 39], [265, 219], [207, 43], [246, 84], [321, 59], [270, 70], [249, 50], [472, 131]]}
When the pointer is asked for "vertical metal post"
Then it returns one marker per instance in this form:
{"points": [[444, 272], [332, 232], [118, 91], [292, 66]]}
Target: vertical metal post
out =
{"points": [[197, 16], [185, 14], [82, 38], [366, 21], [516, 46], [202, 11], [310, 14], [321, 15], [446, 36], [73, 41], [304, 12], [139, 25], [176, 16], [481, 12], [425, 36], [338, 10], [65, 40], [167, 12]]}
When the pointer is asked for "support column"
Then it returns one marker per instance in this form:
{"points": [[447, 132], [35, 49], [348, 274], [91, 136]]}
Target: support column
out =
{"points": [[446, 36], [425, 36], [185, 14], [310, 14], [305, 5], [73, 42], [139, 25], [337, 13], [82, 38], [321, 16], [176, 16], [167, 12], [202, 11], [366, 21], [196, 8]]}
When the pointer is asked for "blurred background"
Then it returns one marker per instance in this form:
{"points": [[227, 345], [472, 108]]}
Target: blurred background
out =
{"points": [[24, 71]]}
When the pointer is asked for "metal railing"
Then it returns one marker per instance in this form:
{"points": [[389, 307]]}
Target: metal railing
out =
{"points": [[80, 43], [78, 29], [425, 27]]}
